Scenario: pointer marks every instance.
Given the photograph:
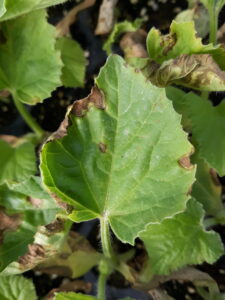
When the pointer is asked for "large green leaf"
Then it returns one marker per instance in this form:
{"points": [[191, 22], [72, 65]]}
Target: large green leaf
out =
{"points": [[124, 158], [182, 39], [30, 67], [74, 61], [181, 240], [17, 161], [16, 288], [19, 7], [73, 296], [22, 213]]}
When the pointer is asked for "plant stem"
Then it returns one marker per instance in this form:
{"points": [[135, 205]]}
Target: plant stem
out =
{"points": [[213, 19], [101, 286], [106, 265], [28, 118], [105, 239]]}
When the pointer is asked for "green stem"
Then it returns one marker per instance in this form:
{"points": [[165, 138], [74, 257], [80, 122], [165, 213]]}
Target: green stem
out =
{"points": [[28, 118], [213, 19], [105, 240], [102, 286], [107, 264]]}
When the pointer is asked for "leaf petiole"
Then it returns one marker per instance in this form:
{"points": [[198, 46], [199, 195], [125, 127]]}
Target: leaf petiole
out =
{"points": [[28, 118]]}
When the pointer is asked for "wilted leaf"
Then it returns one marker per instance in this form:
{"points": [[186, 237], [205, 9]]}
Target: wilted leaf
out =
{"points": [[34, 209], [74, 62], [124, 148], [199, 72], [170, 244], [17, 161], [48, 241], [118, 29], [17, 288], [73, 296], [20, 7], [75, 258], [30, 67], [182, 39]]}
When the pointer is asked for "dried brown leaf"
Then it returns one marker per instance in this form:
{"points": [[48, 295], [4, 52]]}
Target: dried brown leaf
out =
{"points": [[106, 17]]}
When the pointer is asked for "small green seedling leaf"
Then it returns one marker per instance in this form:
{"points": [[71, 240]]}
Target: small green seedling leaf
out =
{"points": [[198, 14], [182, 39], [118, 29], [19, 7], [21, 214], [74, 62], [124, 156], [181, 240], [73, 296], [17, 161], [30, 67], [17, 288]]}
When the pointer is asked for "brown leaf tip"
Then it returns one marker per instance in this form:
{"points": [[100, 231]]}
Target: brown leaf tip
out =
{"points": [[34, 254], [96, 97], [102, 147], [185, 162]]}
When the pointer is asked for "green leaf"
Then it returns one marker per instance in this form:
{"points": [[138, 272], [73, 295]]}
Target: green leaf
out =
{"points": [[178, 98], [74, 62], [30, 67], [20, 7], [204, 121], [208, 129], [124, 148], [118, 29], [2, 7], [73, 296], [76, 257], [182, 39], [198, 14], [17, 288], [207, 188], [22, 214], [17, 161], [181, 240]]}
